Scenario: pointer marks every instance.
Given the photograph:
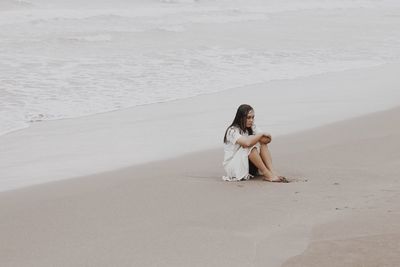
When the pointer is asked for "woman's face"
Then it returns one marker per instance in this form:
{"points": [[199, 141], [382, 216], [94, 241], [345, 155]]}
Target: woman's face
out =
{"points": [[250, 119]]}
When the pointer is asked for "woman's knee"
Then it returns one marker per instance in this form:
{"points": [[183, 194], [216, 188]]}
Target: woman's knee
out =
{"points": [[253, 151], [264, 145]]}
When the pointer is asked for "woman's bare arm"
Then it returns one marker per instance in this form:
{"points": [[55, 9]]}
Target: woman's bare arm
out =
{"points": [[248, 141]]}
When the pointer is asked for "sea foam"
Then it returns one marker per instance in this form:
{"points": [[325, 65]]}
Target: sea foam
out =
{"points": [[61, 60]]}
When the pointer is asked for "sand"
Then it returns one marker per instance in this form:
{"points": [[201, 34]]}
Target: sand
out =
{"points": [[142, 186], [61, 149], [341, 208]]}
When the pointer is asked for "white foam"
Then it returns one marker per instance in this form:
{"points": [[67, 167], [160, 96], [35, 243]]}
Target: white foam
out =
{"points": [[91, 38], [7, 5], [59, 59]]}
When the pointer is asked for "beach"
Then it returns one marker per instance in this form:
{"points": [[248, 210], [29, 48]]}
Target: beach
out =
{"points": [[61, 149], [112, 120], [340, 209]]}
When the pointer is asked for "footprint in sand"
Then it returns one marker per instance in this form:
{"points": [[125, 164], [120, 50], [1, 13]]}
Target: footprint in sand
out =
{"points": [[297, 180]]}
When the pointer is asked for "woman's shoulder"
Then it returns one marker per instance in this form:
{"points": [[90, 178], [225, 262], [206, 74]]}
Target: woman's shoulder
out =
{"points": [[233, 128]]}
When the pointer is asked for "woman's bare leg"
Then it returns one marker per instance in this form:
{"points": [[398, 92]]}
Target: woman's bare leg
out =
{"points": [[267, 158], [256, 159]]}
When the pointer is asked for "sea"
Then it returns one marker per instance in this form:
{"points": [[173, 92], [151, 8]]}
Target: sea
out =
{"points": [[67, 58]]}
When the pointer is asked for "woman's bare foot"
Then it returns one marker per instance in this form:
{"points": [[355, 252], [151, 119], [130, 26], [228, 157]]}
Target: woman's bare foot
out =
{"points": [[274, 179], [277, 179], [283, 179]]}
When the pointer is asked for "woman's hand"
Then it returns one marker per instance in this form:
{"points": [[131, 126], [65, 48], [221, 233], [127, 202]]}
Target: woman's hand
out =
{"points": [[265, 139]]}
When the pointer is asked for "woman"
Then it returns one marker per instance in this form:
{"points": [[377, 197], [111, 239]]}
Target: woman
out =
{"points": [[246, 149]]}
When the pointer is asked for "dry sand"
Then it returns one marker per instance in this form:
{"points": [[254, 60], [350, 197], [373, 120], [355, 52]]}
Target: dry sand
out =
{"points": [[341, 209]]}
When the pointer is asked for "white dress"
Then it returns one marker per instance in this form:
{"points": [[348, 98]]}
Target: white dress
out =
{"points": [[236, 157]]}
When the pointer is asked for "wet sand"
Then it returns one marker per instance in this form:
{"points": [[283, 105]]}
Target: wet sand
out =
{"points": [[341, 208]]}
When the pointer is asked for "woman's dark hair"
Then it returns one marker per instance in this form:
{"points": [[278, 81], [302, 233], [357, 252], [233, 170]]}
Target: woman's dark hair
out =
{"points": [[240, 120]]}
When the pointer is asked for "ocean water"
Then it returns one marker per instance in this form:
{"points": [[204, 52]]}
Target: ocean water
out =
{"points": [[64, 59]]}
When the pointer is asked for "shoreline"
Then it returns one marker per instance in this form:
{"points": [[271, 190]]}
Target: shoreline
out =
{"points": [[178, 211], [62, 149], [214, 150], [29, 124]]}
